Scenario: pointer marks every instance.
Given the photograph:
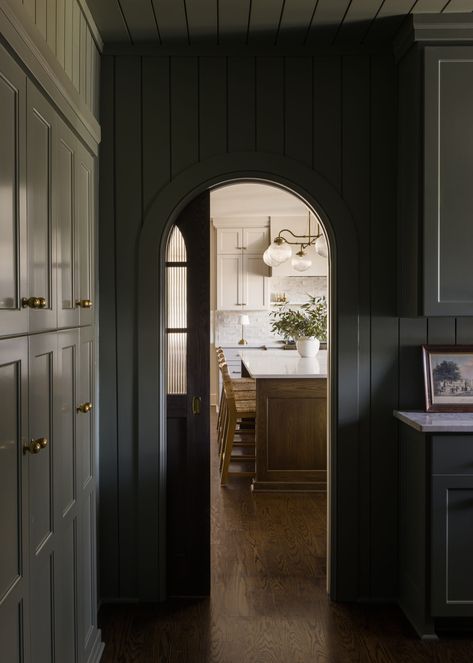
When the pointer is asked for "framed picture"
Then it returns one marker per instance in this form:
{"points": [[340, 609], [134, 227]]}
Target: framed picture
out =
{"points": [[448, 378]]}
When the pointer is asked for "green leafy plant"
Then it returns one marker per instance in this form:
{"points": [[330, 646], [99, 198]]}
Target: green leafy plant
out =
{"points": [[307, 321]]}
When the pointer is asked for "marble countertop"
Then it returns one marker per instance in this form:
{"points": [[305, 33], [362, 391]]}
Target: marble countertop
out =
{"points": [[437, 422], [288, 364]]}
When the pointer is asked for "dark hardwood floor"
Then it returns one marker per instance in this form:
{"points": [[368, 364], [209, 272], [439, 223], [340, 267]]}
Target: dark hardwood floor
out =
{"points": [[268, 603]]}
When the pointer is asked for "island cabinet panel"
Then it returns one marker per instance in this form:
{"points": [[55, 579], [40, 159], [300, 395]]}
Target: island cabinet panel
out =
{"points": [[291, 432], [435, 202]]}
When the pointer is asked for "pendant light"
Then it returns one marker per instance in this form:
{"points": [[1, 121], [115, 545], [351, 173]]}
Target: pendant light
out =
{"points": [[279, 251], [301, 261], [321, 246], [268, 260]]}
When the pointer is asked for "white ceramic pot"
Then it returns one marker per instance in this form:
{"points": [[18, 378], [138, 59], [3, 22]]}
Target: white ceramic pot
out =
{"points": [[307, 347]]}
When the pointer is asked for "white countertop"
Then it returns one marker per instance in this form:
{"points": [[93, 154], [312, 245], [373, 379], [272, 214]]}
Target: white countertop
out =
{"points": [[284, 364], [437, 422]]}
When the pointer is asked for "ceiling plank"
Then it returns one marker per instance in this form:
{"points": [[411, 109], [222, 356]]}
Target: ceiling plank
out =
{"points": [[357, 20], [202, 19], [296, 21], [264, 21], [428, 6], [327, 18], [172, 22], [389, 20], [459, 6], [233, 20], [140, 19], [109, 20]]}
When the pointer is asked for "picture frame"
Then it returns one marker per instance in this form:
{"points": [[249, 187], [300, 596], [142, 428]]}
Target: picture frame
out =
{"points": [[448, 378]]}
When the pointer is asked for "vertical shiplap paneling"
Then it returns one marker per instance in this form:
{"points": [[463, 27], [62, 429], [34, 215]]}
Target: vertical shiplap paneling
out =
{"points": [[30, 6], [60, 25], [384, 332], [464, 331], [68, 41], [51, 17], [326, 115], [441, 331], [97, 74], [108, 461], [356, 189], [82, 56], [412, 334], [298, 109], [76, 21], [213, 106], [156, 128], [41, 17], [270, 105], [241, 104], [184, 113], [128, 215]]}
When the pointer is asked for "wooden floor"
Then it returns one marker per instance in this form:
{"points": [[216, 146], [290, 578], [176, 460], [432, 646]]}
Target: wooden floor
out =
{"points": [[268, 603]]}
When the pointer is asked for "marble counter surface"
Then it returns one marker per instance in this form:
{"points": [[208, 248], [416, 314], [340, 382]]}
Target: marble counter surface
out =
{"points": [[284, 364], [437, 422]]}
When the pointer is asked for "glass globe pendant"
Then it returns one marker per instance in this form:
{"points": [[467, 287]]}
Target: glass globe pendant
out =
{"points": [[301, 261], [321, 246], [268, 260], [279, 251]]}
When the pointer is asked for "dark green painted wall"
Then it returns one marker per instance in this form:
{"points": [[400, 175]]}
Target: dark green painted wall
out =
{"points": [[336, 114]]}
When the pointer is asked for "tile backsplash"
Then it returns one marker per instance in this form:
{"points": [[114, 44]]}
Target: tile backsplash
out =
{"points": [[296, 289]]}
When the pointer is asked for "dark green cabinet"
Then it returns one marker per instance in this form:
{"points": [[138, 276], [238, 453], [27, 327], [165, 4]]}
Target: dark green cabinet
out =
{"points": [[435, 196]]}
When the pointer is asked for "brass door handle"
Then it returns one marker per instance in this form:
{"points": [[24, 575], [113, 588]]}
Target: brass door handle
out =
{"points": [[84, 303], [35, 446], [34, 302], [196, 405], [84, 408]]}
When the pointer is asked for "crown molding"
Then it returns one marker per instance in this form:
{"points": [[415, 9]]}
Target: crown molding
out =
{"points": [[433, 29]]}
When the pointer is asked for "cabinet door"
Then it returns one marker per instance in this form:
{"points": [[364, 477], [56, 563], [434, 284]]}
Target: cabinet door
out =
{"points": [[229, 282], [87, 606], [255, 240], [229, 240], [255, 283], [41, 234], [66, 504], [42, 540], [452, 546], [64, 214], [13, 241], [85, 207], [14, 590]]}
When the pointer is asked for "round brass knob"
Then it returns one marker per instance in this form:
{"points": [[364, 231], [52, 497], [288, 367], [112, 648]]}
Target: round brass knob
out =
{"points": [[43, 442], [84, 303], [84, 408], [31, 302], [42, 302], [35, 446]]}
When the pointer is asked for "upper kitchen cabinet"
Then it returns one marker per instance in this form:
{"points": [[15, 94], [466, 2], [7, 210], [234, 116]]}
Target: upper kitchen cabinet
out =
{"points": [[435, 196], [40, 298], [85, 215], [242, 276], [13, 237]]}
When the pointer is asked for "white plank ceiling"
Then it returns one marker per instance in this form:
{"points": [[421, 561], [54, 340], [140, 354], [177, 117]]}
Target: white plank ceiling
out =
{"points": [[312, 23]]}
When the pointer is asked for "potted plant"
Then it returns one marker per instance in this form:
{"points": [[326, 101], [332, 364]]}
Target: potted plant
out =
{"points": [[306, 325]]}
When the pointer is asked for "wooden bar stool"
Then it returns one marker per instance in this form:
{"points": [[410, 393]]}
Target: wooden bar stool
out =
{"points": [[237, 409]]}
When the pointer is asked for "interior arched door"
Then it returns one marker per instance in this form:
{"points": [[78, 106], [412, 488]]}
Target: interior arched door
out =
{"points": [[188, 401]]}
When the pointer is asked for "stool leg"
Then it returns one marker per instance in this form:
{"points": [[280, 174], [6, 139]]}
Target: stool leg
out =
{"points": [[228, 447]]}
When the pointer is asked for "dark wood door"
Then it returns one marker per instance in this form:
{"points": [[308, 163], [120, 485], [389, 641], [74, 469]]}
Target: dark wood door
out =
{"points": [[188, 388]]}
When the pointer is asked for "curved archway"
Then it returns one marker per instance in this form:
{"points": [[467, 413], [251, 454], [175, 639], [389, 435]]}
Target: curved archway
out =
{"points": [[319, 195]]}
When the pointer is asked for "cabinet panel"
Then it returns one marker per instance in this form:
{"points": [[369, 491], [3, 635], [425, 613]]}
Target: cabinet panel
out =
{"points": [[14, 590], [67, 241], [87, 566], [255, 283], [41, 241], [85, 207], [13, 264], [255, 240], [229, 282], [229, 240], [452, 546], [85, 420]]}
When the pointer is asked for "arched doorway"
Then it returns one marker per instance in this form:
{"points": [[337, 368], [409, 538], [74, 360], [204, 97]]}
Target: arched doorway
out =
{"points": [[343, 410]]}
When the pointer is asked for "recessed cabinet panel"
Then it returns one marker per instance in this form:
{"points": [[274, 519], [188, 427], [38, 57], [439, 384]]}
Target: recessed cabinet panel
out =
{"points": [[42, 608], [67, 243], [87, 564], [85, 221], [13, 319], [255, 283], [41, 234], [229, 240], [229, 282], [12, 633], [255, 240], [66, 583], [85, 417], [65, 453]]}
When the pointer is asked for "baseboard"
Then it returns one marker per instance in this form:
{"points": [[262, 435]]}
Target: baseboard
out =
{"points": [[97, 649]]}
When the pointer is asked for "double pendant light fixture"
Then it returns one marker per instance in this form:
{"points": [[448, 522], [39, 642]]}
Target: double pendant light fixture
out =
{"points": [[280, 251]]}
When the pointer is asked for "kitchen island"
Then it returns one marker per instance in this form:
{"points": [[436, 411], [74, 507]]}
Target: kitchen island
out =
{"points": [[291, 419]]}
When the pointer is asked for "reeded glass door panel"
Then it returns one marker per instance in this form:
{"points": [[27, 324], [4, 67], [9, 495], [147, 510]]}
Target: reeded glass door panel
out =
{"points": [[176, 323]]}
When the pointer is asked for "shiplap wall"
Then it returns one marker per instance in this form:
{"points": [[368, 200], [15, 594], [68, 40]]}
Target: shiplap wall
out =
{"points": [[67, 28], [336, 114]]}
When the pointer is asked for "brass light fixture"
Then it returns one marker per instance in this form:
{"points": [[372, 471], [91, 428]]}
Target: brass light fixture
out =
{"points": [[280, 251]]}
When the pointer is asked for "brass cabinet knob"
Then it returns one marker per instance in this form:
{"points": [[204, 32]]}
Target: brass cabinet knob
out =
{"points": [[84, 408], [34, 302], [84, 303], [35, 446]]}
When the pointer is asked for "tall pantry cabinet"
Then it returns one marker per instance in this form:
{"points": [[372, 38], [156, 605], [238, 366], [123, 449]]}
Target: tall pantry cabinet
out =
{"points": [[47, 376]]}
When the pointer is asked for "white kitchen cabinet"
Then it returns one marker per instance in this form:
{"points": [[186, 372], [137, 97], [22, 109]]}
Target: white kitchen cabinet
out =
{"points": [[229, 282], [255, 284], [229, 240], [255, 240]]}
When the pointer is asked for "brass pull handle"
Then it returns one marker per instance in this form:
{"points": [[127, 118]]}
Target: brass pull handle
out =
{"points": [[84, 303], [196, 405], [42, 303], [35, 446], [34, 302], [84, 408]]}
